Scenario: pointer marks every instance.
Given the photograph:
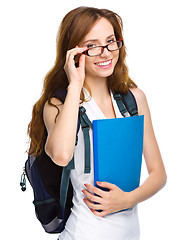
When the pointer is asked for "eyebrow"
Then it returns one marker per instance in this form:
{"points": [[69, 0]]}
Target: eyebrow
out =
{"points": [[95, 40]]}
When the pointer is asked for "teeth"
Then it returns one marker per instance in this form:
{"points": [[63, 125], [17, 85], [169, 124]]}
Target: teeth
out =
{"points": [[104, 63]]}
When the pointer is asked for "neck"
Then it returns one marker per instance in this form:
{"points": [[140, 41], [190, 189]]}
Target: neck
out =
{"points": [[99, 88]]}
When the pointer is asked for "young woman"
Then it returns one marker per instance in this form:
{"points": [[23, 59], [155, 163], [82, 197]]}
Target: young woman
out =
{"points": [[90, 65]]}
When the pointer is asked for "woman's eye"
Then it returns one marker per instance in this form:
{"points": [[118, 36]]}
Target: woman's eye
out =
{"points": [[111, 40], [91, 45]]}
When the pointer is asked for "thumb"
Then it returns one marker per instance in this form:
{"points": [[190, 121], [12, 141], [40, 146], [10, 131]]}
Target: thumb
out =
{"points": [[106, 185]]}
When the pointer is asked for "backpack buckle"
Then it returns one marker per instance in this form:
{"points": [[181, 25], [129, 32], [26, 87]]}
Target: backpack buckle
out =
{"points": [[82, 110], [134, 112], [84, 120], [117, 96]]}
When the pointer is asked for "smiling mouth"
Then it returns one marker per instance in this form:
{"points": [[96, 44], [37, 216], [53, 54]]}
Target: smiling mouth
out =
{"points": [[104, 64]]}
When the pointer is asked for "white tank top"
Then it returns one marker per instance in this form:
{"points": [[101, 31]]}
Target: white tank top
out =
{"points": [[82, 223]]}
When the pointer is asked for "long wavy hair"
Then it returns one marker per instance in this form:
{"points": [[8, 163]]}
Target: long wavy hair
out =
{"points": [[73, 28]]}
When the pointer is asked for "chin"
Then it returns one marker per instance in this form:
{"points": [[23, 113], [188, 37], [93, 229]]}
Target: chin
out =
{"points": [[104, 73]]}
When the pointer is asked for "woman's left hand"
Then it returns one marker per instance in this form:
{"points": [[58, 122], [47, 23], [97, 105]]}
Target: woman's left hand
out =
{"points": [[110, 201]]}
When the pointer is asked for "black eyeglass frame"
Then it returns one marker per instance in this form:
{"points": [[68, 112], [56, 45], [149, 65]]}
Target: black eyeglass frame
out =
{"points": [[103, 47]]}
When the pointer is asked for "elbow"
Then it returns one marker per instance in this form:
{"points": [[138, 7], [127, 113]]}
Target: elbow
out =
{"points": [[59, 158], [160, 178], [164, 179]]}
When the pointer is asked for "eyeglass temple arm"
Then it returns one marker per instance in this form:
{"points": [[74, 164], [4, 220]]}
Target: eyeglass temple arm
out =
{"points": [[120, 39]]}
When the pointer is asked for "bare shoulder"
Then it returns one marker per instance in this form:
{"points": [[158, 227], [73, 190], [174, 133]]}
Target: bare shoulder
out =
{"points": [[54, 101], [140, 99], [138, 93], [50, 112]]}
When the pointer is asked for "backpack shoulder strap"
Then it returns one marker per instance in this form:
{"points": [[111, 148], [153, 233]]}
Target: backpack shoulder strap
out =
{"points": [[86, 125], [64, 186], [126, 102], [60, 94], [130, 103]]}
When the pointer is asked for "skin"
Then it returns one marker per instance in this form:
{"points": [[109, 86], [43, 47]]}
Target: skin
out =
{"points": [[58, 137]]}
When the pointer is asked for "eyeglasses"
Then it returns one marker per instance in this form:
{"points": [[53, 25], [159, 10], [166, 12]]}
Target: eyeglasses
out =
{"points": [[97, 51]]}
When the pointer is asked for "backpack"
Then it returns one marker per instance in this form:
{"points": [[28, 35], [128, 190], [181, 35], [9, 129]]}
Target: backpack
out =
{"points": [[53, 199]]}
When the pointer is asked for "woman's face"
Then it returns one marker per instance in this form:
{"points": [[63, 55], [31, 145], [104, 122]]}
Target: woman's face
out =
{"points": [[103, 65]]}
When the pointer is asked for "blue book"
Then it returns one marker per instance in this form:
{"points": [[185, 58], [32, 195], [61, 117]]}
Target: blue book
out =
{"points": [[118, 148]]}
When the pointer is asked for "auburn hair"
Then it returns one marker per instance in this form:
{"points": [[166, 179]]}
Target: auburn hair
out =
{"points": [[73, 28]]}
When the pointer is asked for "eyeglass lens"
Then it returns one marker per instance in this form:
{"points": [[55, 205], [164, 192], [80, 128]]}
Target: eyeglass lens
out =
{"points": [[99, 50]]}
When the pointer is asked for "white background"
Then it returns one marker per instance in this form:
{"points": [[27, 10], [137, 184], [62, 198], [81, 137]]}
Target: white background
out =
{"points": [[159, 39]]}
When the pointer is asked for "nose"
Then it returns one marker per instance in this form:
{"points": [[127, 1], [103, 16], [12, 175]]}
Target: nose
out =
{"points": [[105, 53]]}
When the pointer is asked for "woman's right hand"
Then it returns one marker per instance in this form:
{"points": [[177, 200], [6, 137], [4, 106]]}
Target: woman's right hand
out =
{"points": [[75, 74]]}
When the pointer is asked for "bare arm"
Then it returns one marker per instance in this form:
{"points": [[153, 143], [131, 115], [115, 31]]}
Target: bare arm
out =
{"points": [[157, 175], [62, 134]]}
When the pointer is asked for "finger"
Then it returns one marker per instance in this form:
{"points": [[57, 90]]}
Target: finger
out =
{"points": [[82, 61], [99, 214], [92, 205], [108, 185], [74, 51], [70, 56], [95, 190], [91, 197]]}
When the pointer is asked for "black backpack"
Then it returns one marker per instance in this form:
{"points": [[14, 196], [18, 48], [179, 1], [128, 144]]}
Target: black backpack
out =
{"points": [[53, 199]]}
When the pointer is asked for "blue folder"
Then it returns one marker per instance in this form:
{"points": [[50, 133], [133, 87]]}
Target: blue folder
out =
{"points": [[118, 148]]}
